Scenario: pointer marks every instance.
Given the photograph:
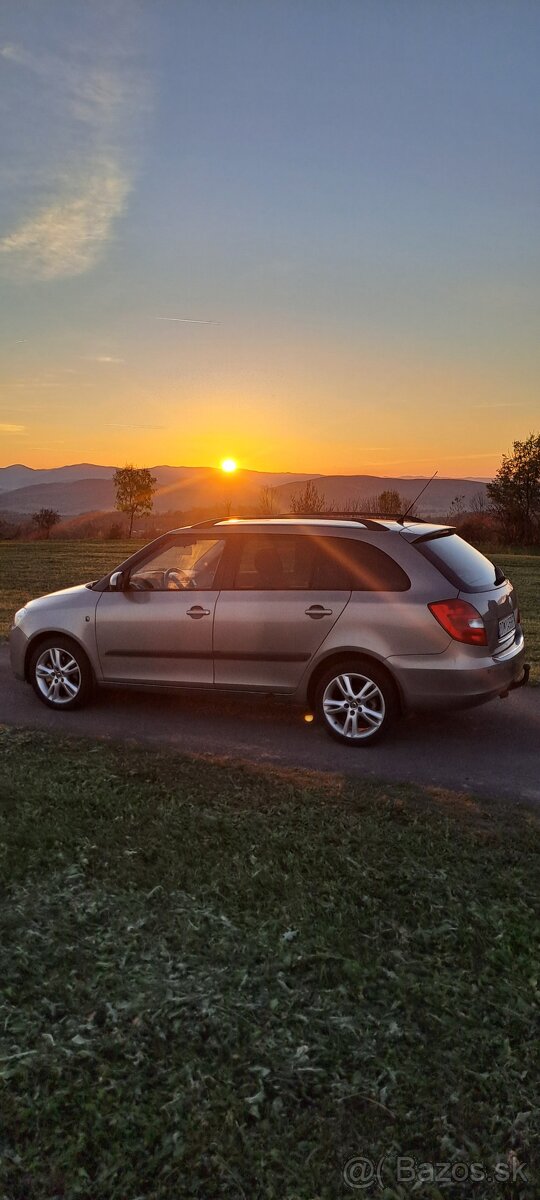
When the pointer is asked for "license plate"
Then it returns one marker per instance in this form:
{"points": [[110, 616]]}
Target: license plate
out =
{"points": [[506, 625]]}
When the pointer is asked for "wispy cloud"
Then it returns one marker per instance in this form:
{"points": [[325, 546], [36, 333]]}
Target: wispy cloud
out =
{"points": [[37, 382], [118, 425], [66, 230], [67, 237], [12, 428], [107, 358]]}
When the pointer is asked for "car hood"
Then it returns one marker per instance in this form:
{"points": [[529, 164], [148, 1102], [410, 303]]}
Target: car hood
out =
{"points": [[71, 596]]}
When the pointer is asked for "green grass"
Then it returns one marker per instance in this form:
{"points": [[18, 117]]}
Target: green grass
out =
{"points": [[219, 981], [29, 569], [524, 571], [33, 568]]}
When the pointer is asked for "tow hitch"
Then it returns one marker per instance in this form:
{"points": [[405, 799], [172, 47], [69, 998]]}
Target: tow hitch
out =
{"points": [[518, 683]]}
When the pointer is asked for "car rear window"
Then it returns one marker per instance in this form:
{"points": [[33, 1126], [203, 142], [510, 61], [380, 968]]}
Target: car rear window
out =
{"points": [[344, 563], [460, 563]]}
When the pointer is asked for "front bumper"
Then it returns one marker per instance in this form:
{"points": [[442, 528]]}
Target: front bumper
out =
{"points": [[18, 643]]}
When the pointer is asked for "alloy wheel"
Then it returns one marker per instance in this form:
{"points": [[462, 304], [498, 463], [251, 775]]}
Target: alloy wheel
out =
{"points": [[58, 675], [354, 706]]}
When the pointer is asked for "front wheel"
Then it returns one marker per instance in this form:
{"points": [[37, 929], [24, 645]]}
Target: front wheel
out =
{"points": [[60, 674], [356, 702]]}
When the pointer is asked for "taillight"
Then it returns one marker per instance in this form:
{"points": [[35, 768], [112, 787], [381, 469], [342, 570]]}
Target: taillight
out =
{"points": [[461, 621]]}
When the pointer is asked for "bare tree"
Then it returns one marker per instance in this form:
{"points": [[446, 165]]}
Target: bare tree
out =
{"points": [[479, 504], [46, 519], [456, 510], [267, 502], [310, 500], [388, 503]]}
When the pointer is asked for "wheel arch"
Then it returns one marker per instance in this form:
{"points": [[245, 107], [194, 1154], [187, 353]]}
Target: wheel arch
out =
{"points": [[43, 636], [350, 656]]}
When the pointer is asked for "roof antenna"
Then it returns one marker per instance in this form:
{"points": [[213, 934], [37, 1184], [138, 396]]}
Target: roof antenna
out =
{"points": [[415, 501]]}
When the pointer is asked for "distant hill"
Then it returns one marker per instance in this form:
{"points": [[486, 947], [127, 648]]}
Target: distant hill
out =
{"points": [[85, 487], [342, 490], [69, 499], [18, 476]]}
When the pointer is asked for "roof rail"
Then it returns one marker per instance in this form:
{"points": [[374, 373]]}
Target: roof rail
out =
{"points": [[361, 518], [208, 523], [368, 520], [357, 515]]}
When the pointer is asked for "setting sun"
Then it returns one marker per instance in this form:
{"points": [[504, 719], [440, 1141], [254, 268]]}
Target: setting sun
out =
{"points": [[228, 465]]}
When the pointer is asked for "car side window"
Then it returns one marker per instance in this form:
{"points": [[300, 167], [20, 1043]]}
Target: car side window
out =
{"points": [[332, 566], [179, 566], [359, 565], [285, 562], [275, 562]]}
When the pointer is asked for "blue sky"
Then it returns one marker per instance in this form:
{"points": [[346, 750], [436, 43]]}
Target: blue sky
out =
{"points": [[347, 192]]}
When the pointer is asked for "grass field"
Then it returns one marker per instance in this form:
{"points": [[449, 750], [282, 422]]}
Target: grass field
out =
{"points": [[29, 569], [33, 568], [219, 981], [524, 571]]}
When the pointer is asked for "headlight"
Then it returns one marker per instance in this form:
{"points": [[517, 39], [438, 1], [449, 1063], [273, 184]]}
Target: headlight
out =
{"points": [[19, 616]]}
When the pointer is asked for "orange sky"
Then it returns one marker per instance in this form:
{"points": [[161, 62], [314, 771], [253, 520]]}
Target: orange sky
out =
{"points": [[314, 407], [305, 236]]}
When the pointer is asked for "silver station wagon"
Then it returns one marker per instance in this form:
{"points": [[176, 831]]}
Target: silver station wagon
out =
{"points": [[358, 619]]}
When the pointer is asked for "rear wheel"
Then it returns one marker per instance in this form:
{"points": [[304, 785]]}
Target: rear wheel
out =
{"points": [[356, 702], [60, 674]]}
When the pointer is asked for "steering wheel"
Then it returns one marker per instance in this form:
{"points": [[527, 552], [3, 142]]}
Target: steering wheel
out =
{"points": [[174, 577]]}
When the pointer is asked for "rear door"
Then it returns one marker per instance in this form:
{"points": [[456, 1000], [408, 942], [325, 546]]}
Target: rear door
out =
{"points": [[160, 629], [274, 611]]}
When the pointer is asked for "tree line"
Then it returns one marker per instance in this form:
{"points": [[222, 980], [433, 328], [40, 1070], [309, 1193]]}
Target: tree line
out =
{"points": [[512, 502]]}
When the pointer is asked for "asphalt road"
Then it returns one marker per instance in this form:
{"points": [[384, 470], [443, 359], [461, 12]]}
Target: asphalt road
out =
{"points": [[493, 750]]}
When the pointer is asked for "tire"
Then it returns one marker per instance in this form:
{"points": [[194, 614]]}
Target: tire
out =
{"points": [[60, 674], [341, 702]]}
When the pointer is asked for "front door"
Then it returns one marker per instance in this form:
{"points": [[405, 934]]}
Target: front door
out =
{"points": [[277, 612], [159, 630]]}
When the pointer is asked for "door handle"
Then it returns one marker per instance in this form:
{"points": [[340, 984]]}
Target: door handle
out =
{"points": [[196, 612], [316, 611]]}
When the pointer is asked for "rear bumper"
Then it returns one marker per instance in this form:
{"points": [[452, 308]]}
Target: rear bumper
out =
{"points": [[518, 683], [460, 683]]}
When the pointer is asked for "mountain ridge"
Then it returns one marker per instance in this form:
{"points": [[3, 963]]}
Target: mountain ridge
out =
{"points": [[185, 488], [18, 475]]}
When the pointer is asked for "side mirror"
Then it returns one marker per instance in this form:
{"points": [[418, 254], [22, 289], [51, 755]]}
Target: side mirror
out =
{"points": [[117, 581]]}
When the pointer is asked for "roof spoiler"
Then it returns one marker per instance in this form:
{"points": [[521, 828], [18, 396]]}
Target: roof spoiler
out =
{"points": [[438, 532]]}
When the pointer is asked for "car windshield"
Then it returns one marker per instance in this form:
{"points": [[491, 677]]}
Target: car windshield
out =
{"points": [[179, 565]]}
